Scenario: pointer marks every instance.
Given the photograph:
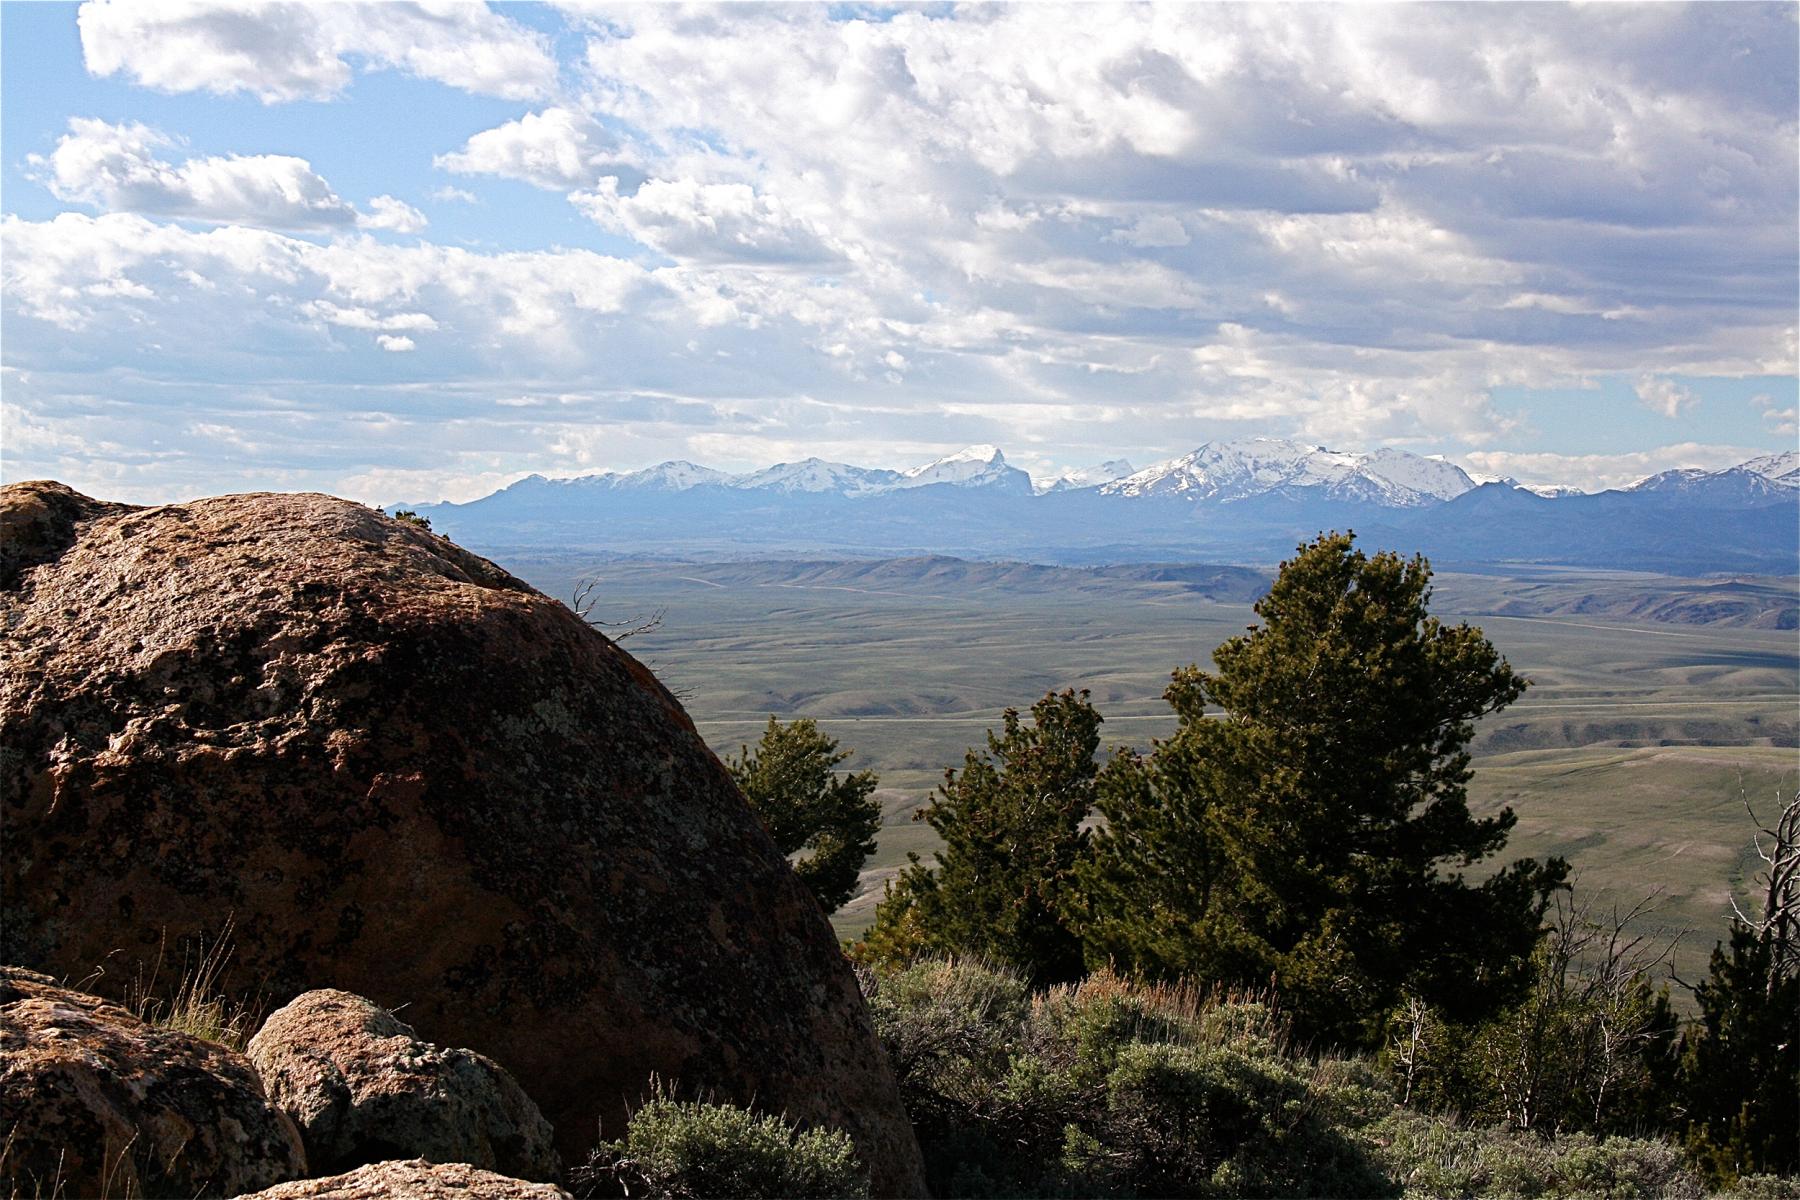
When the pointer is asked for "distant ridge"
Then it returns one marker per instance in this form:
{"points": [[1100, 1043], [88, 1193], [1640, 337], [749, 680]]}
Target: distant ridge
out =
{"points": [[1248, 501], [1224, 471]]}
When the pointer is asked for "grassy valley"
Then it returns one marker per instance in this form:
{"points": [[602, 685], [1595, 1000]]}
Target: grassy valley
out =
{"points": [[1626, 756]]}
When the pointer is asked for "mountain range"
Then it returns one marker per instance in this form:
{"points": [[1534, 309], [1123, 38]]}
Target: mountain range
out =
{"points": [[1246, 500]]}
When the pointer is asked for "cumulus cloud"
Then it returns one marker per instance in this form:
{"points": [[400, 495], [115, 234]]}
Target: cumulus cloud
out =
{"points": [[1778, 419], [1129, 226], [525, 300], [713, 222], [385, 212], [1665, 396], [395, 343], [122, 168], [117, 168], [278, 50], [557, 149]]}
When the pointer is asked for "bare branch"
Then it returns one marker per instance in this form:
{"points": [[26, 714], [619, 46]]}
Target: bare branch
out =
{"points": [[582, 603]]}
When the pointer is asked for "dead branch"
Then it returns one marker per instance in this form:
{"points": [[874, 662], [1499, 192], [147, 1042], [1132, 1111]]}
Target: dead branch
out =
{"points": [[582, 603]]}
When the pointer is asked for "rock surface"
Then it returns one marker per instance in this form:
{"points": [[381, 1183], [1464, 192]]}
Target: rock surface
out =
{"points": [[408, 775], [94, 1102], [363, 1089], [414, 1180]]}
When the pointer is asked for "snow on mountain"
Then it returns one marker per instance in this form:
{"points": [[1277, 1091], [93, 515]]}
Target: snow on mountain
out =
{"points": [[1237, 470], [1783, 468], [1074, 478], [674, 476], [1769, 475], [1551, 491], [817, 475], [1425, 476], [975, 466]]}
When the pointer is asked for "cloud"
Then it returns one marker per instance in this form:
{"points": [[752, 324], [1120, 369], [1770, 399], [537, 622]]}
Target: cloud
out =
{"points": [[526, 302], [395, 344], [1153, 229], [455, 195], [1779, 420], [362, 318], [1597, 472], [714, 222], [280, 51], [1665, 396], [394, 215], [556, 149], [1129, 226], [116, 168], [119, 168]]}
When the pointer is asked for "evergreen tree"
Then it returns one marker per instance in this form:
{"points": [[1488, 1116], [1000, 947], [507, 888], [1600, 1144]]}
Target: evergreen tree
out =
{"points": [[1011, 821], [805, 805], [1740, 1069], [1314, 837]]}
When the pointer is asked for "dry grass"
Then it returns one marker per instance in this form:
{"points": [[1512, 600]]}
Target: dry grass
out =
{"points": [[198, 1006]]}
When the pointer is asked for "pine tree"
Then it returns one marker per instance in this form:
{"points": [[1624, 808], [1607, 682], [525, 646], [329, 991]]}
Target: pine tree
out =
{"points": [[1011, 821], [805, 805], [1740, 1068], [1314, 834]]}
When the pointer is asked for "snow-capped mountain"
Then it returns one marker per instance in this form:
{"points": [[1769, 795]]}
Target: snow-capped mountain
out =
{"points": [[1550, 491], [673, 476], [1733, 485], [1074, 478], [1781, 468], [1423, 475], [976, 466], [1229, 471], [1257, 497], [818, 476]]}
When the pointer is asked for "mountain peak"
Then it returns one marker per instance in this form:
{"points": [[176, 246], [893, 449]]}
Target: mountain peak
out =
{"points": [[1237, 470], [982, 453], [973, 466], [1076, 478]]}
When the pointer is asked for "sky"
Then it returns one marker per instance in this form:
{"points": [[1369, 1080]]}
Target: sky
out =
{"points": [[414, 251]]}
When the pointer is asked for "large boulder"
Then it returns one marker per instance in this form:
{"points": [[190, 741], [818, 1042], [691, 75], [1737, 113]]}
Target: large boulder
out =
{"points": [[413, 1180], [406, 774], [363, 1088], [95, 1102]]}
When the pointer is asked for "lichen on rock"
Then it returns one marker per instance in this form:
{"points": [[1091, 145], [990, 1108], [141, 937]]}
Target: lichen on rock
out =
{"points": [[413, 1180], [363, 1087], [95, 1102]]}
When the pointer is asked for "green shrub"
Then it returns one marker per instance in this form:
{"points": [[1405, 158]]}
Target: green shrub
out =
{"points": [[1110, 1088], [1435, 1157], [1763, 1187], [679, 1150]]}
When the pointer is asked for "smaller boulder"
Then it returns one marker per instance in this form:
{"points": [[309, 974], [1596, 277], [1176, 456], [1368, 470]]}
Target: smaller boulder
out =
{"points": [[414, 1180], [95, 1102], [363, 1088]]}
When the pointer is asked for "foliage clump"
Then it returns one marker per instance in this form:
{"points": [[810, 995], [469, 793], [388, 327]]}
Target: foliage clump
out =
{"points": [[683, 1150], [1113, 1088], [1436, 1157], [1103, 1088], [807, 806], [1591, 1046], [1740, 1069], [1011, 823], [1315, 832]]}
